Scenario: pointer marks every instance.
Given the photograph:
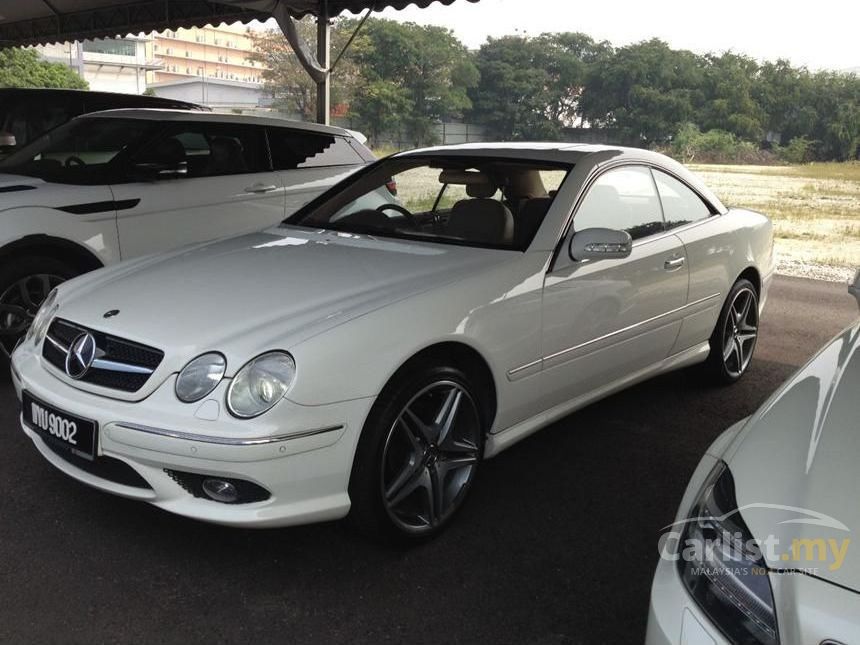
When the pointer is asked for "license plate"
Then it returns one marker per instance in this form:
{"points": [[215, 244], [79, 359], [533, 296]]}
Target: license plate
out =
{"points": [[60, 428]]}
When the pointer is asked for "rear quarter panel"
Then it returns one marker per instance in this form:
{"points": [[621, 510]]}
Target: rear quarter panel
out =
{"points": [[718, 250]]}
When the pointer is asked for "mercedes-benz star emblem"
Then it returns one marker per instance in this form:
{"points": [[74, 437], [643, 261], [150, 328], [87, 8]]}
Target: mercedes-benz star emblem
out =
{"points": [[82, 353], [111, 313]]}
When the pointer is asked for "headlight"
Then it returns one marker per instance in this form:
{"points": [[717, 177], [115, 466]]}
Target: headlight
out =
{"points": [[722, 565], [260, 384], [46, 312], [200, 377]]}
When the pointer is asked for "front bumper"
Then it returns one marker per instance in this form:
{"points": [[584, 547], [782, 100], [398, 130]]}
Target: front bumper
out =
{"points": [[302, 455]]}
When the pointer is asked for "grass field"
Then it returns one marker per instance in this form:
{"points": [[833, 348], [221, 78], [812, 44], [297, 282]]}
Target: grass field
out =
{"points": [[815, 209]]}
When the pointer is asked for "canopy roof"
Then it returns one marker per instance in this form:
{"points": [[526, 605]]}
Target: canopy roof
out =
{"points": [[33, 22]]}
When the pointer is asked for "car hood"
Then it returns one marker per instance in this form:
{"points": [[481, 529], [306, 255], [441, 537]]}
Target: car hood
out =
{"points": [[795, 465], [268, 290]]}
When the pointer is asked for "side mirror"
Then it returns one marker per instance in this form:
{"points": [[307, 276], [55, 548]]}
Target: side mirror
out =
{"points": [[162, 170], [7, 139], [854, 287], [600, 244]]}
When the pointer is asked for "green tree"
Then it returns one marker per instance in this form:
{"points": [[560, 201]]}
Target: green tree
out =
{"points": [[382, 107], [290, 86], [530, 87], [425, 69], [836, 101], [512, 100], [729, 103], [647, 90], [24, 68]]}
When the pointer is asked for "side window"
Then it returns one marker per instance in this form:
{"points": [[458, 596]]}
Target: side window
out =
{"points": [[31, 118], [622, 199], [209, 149], [680, 204], [293, 149]]}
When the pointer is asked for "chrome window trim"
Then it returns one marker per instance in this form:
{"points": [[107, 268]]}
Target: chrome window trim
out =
{"points": [[568, 350], [225, 441], [678, 229]]}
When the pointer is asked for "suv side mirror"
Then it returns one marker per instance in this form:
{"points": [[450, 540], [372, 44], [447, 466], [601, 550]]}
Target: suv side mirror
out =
{"points": [[162, 170], [600, 244]]}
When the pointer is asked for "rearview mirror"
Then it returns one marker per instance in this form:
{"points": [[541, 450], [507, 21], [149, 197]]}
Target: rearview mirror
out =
{"points": [[7, 139], [600, 244]]}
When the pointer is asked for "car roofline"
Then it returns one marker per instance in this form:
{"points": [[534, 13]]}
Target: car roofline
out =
{"points": [[167, 114]]}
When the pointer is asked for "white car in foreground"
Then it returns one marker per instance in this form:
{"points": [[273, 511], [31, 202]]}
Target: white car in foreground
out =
{"points": [[762, 547], [364, 361], [119, 184]]}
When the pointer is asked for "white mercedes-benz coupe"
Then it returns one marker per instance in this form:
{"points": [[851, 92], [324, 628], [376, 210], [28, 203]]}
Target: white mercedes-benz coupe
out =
{"points": [[761, 550], [364, 361], [119, 184]]}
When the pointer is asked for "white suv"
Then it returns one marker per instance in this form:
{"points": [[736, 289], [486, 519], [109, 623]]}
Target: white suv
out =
{"points": [[114, 185]]}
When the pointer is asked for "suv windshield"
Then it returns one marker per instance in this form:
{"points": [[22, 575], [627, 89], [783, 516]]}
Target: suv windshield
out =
{"points": [[483, 202], [80, 151]]}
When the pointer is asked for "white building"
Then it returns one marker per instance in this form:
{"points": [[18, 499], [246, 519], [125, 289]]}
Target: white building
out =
{"points": [[109, 65]]}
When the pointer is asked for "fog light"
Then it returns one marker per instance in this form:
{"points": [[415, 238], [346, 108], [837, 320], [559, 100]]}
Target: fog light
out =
{"points": [[220, 490]]}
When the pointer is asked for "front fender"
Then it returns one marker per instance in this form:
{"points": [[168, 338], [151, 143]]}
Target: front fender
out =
{"points": [[25, 226]]}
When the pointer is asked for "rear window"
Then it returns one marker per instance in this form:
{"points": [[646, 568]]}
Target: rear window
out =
{"points": [[292, 149]]}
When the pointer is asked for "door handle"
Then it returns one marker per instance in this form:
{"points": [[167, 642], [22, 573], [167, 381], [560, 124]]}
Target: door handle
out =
{"points": [[260, 188], [674, 264]]}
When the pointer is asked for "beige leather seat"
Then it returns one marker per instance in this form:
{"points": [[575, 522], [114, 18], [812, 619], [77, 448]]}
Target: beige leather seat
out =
{"points": [[481, 219]]}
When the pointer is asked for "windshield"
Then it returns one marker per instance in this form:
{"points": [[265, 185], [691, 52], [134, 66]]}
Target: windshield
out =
{"points": [[483, 202], [80, 151]]}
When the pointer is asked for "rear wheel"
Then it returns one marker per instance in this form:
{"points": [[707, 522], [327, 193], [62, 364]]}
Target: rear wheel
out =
{"points": [[418, 455], [24, 285], [734, 338]]}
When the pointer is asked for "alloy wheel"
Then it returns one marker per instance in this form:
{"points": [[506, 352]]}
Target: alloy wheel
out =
{"points": [[740, 332], [430, 457], [19, 304]]}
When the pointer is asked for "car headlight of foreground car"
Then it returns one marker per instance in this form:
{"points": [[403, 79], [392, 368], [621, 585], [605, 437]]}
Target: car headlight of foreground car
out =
{"points": [[260, 384], [39, 326], [200, 377], [722, 566]]}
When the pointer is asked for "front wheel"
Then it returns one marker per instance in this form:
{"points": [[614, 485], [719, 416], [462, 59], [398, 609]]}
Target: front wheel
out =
{"points": [[418, 455], [734, 338], [24, 285]]}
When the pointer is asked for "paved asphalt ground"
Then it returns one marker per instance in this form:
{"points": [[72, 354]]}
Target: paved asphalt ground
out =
{"points": [[557, 544]]}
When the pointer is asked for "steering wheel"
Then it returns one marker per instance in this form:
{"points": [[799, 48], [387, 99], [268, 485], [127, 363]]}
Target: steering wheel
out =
{"points": [[397, 207], [74, 161]]}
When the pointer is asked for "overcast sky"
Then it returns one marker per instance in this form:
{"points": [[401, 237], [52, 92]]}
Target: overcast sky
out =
{"points": [[819, 34]]}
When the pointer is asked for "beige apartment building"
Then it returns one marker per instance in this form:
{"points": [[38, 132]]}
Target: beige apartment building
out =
{"points": [[221, 52]]}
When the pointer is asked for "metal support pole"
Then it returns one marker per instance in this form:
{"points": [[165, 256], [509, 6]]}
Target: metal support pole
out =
{"points": [[324, 59]]}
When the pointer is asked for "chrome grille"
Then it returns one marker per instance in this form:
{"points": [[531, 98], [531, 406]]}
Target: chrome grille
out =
{"points": [[119, 364]]}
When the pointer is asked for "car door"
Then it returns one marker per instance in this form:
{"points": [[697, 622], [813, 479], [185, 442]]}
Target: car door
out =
{"points": [[708, 240], [310, 162], [607, 320], [199, 180]]}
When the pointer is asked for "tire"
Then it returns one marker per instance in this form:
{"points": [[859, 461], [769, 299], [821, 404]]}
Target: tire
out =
{"points": [[412, 472], [734, 338], [25, 282]]}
